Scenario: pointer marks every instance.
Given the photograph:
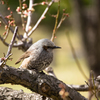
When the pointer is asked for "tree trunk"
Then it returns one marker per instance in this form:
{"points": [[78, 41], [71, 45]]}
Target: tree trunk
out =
{"points": [[89, 18]]}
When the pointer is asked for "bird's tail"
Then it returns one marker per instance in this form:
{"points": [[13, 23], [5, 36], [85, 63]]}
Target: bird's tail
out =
{"points": [[17, 62]]}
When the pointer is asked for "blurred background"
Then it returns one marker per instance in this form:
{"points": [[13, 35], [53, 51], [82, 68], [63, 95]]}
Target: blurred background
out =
{"points": [[83, 26]]}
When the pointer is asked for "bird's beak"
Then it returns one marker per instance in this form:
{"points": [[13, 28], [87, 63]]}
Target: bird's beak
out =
{"points": [[56, 47]]}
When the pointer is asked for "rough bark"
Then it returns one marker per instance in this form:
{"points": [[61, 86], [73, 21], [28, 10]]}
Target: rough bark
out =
{"points": [[43, 84], [10, 94]]}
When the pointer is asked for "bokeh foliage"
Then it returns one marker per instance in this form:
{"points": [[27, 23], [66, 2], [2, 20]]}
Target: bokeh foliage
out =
{"points": [[48, 21]]}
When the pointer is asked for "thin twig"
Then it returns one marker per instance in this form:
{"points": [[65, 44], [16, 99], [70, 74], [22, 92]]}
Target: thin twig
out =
{"points": [[12, 41], [89, 87], [36, 4], [93, 92], [4, 20], [7, 32], [56, 22], [92, 76], [49, 70], [7, 44], [29, 18], [2, 63], [40, 19], [10, 47], [61, 21], [20, 4], [75, 57]]}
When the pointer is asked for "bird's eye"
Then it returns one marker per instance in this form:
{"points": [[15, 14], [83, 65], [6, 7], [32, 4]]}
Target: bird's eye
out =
{"points": [[45, 47]]}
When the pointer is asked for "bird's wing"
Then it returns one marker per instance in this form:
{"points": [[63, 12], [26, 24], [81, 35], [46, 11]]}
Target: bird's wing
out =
{"points": [[25, 55]]}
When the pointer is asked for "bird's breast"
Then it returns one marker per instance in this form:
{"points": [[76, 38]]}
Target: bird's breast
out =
{"points": [[40, 61]]}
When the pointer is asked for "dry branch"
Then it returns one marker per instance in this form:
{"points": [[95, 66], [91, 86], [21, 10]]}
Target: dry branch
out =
{"points": [[42, 17], [4, 20], [12, 41], [75, 57], [10, 94], [29, 18], [37, 82]]}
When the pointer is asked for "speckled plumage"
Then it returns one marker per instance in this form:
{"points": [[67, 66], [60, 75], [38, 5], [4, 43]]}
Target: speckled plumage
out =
{"points": [[38, 56]]}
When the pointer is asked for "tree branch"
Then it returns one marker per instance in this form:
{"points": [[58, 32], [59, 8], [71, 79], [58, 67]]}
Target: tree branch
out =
{"points": [[56, 22], [75, 57], [3, 41], [40, 19], [81, 87], [23, 45], [10, 94], [4, 20], [12, 41], [29, 18], [41, 83]]}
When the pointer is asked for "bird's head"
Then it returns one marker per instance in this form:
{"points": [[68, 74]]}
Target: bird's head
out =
{"points": [[47, 45]]}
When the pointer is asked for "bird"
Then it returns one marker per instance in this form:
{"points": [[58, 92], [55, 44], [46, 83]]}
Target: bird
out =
{"points": [[39, 55]]}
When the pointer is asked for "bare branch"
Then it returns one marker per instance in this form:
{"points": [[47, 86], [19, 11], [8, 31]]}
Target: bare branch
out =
{"points": [[4, 20], [21, 45], [29, 18], [37, 82], [3, 62], [40, 19], [12, 41], [56, 22], [92, 83], [61, 21], [7, 32], [20, 4], [75, 57], [36, 4], [5, 43]]}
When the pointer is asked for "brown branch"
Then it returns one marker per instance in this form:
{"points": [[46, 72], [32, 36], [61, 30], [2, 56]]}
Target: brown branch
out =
{"points": [[56, 22], [75, 57], [12, 41], [10, 94], [3, 62], [9, 27], [64, 16], [21, 44], [7, 32], [92, 83], [37, 82], [42, 3], [50, 70], [5, 43], [4, 20]]}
